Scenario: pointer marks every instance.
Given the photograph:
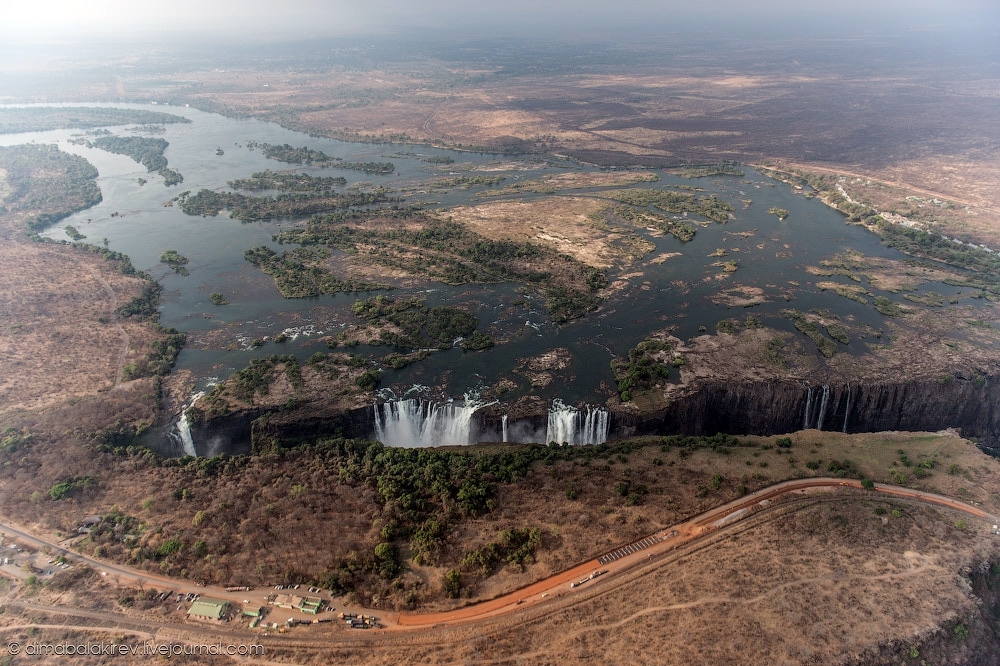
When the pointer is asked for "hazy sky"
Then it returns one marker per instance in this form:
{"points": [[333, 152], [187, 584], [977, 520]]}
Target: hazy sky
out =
{"points": [[58, 19]]}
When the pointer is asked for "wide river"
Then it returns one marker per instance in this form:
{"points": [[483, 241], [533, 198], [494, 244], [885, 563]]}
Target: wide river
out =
{"points": [[668, 290]]}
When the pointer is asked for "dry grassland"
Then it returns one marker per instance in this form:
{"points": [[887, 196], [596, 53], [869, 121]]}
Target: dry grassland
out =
{"points": [[59, 338]]}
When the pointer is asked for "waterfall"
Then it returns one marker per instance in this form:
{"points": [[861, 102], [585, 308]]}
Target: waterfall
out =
{"points": [[822, 407], [417, 423], [184, 431], [569, 425], [847, 412], [181, 432], [805, 417], [595, 426]]}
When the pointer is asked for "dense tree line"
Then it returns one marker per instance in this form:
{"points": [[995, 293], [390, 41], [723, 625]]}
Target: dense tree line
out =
{"points": [[722, 169], [381, 168], [119, 260], [934, 246], [160, 358], [468, 181], [145, 304]]}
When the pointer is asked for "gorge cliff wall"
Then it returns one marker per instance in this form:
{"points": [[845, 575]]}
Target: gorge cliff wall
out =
{"points": [[969, 405]]}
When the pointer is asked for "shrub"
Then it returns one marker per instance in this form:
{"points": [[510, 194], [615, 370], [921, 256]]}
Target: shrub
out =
{"points": [[168, 548], [453, 583]]}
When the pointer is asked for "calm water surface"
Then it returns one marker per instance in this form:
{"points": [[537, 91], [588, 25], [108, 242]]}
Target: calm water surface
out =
{"points": [[673, 293]]}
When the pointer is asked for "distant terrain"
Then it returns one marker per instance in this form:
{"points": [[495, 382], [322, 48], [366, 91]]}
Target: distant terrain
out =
{"points": [[924, 125]]}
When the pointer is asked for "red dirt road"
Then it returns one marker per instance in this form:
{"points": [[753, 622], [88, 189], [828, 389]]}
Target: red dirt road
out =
{"points": [[559, 584], [711, 520]]}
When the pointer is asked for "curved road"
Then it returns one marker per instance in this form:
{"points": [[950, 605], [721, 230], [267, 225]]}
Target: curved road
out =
{"points": [[559, 584], [666, 540]]}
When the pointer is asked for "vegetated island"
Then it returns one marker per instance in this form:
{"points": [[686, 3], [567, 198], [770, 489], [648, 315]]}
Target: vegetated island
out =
{"points": [[301, 273], [144, 150], [780, 213], [288, 182], [708, 171], [175, 260], [317, 158], [254, 208], [451, 252], [37, 202], [41, 119], [710, 207]]}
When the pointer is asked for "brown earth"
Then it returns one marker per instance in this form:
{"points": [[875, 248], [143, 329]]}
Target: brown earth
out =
{"points": [[830, 578], [59, 336], [571, 225]]}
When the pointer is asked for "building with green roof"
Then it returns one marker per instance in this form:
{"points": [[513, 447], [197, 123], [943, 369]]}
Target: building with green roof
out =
{"points": [[208, 609]]}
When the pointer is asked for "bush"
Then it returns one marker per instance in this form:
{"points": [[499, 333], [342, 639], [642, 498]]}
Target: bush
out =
{"points": [[453, 583], [168, 548]]}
